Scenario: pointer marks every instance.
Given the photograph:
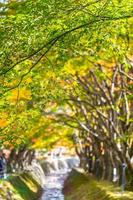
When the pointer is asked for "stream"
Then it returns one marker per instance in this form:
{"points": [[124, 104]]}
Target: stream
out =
{"points": [[53, 186], [56, 172]]}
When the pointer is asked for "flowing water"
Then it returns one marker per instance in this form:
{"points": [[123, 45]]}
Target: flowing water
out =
{"points": [[53, 186], [55, 177]]}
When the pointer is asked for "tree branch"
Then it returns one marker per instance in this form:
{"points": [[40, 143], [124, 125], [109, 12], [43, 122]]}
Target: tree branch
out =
{"points": [[60, 36]]}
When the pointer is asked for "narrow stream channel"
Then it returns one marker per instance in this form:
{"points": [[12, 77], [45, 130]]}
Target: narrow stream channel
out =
{"points": [[53, 186]]}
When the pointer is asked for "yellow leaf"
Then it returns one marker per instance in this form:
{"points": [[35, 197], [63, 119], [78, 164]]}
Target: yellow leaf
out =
{"points": [[20, 94], [3, 123], [28, 80]]}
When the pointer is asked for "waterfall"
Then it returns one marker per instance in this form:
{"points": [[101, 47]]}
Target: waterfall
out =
{"points": [[59, 164]]}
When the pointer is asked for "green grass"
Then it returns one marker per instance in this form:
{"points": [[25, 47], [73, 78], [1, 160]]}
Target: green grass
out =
{"points": [[22, 187], [83, 187]]}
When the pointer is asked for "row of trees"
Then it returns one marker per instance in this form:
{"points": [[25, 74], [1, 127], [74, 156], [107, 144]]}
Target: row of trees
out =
{"points": [[101, 111]]}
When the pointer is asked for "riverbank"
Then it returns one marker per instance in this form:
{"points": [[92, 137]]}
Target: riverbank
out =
{"points": [[20, 187], [80, 186]]}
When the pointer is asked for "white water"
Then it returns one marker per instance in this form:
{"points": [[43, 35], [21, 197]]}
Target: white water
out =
{"points": [[53, 186], [56, 175]]}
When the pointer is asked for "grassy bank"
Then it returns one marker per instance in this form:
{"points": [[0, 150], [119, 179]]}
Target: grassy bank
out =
{"points": [[83, 187], [19, 187]]}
